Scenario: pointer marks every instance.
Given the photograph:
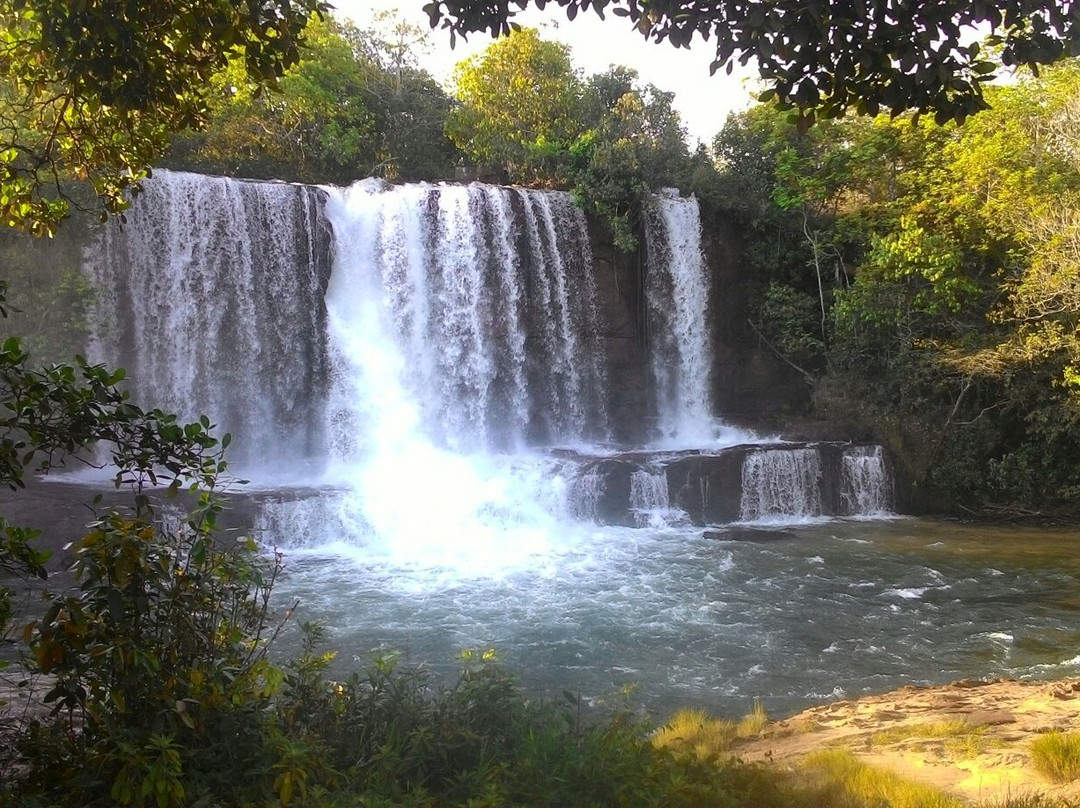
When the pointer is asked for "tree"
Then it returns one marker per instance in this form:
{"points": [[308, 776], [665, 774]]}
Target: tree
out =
{"points": [[824, 57], [611, 139], [635, 143], [93, 90], [943, 264], [518, 102], [316, 125], [410, 106], [354, 105]]}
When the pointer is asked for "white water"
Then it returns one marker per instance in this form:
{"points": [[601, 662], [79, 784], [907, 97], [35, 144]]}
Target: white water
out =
{"points": [[781, 485], [649, 501], [678, 301], [866, 486], [428, 321], [431, 385], [210, 298]]}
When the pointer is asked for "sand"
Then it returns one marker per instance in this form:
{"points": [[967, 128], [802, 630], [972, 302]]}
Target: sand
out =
{"points": [[990, 762]]}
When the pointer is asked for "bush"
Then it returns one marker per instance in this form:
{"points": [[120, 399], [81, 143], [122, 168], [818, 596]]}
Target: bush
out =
{"points": [[159, 660]]}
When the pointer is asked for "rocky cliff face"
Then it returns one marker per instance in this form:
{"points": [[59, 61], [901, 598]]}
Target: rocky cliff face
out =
{"points": [[621, 313], [751, 387]]}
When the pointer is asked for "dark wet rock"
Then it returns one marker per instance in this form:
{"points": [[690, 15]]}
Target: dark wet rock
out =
{"points": [[751, 535]]}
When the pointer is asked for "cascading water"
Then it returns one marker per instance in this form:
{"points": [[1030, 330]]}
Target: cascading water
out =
{"points": [[866, 486], [447, 282], [677, 298], [781, 484], [210, 296], [434, 380], [649, 502], [586, 490]]}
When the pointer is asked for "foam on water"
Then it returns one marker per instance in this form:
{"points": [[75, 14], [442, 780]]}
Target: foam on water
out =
{"points": [[697, 623]]}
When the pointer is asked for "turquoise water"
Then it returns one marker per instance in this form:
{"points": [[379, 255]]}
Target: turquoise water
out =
{"points": [[843, 609]]}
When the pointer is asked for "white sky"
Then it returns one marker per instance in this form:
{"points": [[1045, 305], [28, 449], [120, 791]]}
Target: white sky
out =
{"points": [[702, 100]]}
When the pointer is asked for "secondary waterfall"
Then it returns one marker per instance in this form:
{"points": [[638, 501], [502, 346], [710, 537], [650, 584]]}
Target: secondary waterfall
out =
{"points": [[210, 296], [866, 485], [677, 296], [781, 483]]}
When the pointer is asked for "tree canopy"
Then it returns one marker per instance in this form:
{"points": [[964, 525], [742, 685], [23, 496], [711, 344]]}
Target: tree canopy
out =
{"points": [[824, 57], [518, 96], [927, 278], [93, 90], [354, 105]]}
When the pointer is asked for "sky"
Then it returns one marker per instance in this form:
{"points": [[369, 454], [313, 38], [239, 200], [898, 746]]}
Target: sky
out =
{"points": [[703, 101]]}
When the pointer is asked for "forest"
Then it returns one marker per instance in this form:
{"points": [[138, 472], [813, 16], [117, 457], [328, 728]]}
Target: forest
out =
{"points": [[917, 270]]}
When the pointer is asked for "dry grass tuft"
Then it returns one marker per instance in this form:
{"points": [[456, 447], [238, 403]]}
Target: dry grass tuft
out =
{"points": [[755, 722], [696, 734], [856, 783], [1056, 756]]}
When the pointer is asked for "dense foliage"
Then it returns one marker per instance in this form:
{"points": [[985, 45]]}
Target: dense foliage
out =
{"points": [[519, 101], [525, 112], [825, 57], [925, 277], [356, 104], [94, 90]]}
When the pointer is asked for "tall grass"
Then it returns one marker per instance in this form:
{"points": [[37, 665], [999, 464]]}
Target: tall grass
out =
{"points": [[850, 782], [696, 734], [755, 722], [1056, 756], [958, 738]]}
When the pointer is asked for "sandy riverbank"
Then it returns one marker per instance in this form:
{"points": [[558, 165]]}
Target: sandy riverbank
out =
{"points": [[902, 730]]}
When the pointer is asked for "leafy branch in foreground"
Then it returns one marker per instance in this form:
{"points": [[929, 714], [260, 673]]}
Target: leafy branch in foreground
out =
{"points": [[824, 57], [92, 91], [48, 415]]}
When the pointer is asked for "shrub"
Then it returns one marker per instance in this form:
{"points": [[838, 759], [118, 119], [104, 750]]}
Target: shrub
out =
{"points": [[159, 659]]}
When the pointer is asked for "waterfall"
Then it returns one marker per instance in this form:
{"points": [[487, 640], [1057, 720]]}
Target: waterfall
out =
{"points": [[585, 492], [648, 490], [414, 354], [866, 487], [780, 483], [677, 300], [437, 374], [649, 502], [464, 314], [210, 296]]}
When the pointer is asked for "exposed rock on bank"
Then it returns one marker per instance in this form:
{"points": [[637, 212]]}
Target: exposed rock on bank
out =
{"points": [[970, 739]]}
